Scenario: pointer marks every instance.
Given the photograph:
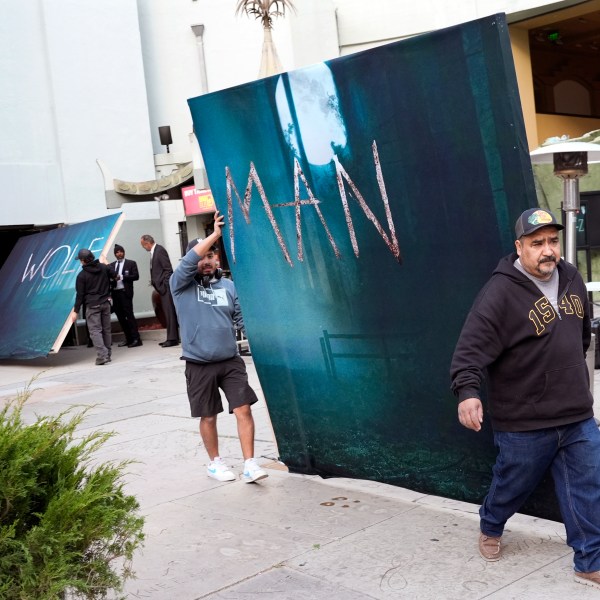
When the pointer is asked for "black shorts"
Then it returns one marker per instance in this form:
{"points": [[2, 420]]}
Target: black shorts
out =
{"points": [[204, 380]]}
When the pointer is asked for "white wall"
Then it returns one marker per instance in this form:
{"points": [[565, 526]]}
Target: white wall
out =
{"points": [[363, 25], [29, 152], [88, 79], [76, 93], [232, 44], [314, 32], [232, 48], [172, 65]]}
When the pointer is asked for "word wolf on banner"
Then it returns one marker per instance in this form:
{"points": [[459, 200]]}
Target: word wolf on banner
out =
{"points": [[57, 261]]}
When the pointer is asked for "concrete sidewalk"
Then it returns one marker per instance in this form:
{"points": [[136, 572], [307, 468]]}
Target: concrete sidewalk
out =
{"points": [[290, 536]]}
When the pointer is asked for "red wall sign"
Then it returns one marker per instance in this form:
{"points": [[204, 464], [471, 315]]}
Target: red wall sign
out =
{"points": [[197, 202]]}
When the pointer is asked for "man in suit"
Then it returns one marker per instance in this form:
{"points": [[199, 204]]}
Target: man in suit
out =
{"points": [[160, 272], [122, 295]]}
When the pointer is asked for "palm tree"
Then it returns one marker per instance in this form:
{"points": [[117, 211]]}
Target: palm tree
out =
{"points": [[266, 11]]}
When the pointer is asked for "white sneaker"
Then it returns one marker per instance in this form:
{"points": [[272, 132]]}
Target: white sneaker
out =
{"points": [[219, 470], [252, 472]]}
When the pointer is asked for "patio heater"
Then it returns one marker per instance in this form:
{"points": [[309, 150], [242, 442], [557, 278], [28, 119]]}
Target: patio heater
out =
{"points": [[570, 163]]}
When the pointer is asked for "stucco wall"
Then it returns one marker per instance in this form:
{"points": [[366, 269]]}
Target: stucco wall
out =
{"points": [[232, 50], [76, 92], [366, 24]]}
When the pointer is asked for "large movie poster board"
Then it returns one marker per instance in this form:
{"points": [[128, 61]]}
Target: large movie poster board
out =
{"points": [[367, 200], [37, 285]]}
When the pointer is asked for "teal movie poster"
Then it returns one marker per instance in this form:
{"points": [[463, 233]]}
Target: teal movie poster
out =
{"points": [[38, 285], [367, 199]]}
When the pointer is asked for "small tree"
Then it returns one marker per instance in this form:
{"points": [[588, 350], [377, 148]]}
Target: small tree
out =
{"points": [[266, 11], [67, 528]]}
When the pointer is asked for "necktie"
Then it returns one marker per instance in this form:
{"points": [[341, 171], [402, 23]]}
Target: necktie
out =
{"points": [[119, 270]]}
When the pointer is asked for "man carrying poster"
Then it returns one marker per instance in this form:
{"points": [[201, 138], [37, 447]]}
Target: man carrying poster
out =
{"points": [[529, 329], [93, 288], [209, 313]]}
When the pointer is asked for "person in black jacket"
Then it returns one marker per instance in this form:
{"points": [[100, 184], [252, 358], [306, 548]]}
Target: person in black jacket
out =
{"points": [[528, 331], [122, 295], [92, 287], [160, 272]]}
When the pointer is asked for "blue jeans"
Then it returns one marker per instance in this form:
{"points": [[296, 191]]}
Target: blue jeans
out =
{"points": [[573, 454]]}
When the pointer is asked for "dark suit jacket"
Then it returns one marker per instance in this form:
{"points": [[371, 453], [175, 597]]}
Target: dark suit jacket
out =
{"points": [[130, 274], [160, 270]]}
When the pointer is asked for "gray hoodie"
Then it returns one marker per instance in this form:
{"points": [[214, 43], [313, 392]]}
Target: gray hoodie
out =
{"points": [[208, 317]]}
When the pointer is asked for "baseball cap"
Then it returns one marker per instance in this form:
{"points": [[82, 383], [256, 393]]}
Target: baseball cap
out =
{"points": [[85, 255], [194, 242], [533, 219], [191, 245]]}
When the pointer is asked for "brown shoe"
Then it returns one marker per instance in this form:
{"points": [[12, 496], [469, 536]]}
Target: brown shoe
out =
{"points": [[591, 579], [490, 548]]}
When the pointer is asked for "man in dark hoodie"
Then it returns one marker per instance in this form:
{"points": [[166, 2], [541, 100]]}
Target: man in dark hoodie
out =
{"points": [[93, 288], [528, 332]]}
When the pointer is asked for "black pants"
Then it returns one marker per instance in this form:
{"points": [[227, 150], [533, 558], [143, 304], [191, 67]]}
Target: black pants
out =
{"points": [[170, 315], [123, 306]]}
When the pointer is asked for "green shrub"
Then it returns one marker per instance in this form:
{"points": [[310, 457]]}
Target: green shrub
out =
{"points": [[67, 528]]}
